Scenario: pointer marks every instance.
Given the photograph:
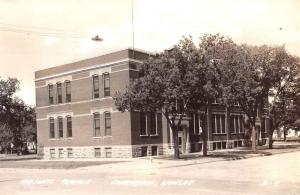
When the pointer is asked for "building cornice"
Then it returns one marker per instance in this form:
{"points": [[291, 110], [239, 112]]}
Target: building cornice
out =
{"points": [[87, 68]]}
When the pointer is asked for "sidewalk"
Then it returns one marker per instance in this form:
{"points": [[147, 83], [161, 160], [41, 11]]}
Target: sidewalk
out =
{"points": [[15, 157], [148, 165], [226, 155], [144, 163]]}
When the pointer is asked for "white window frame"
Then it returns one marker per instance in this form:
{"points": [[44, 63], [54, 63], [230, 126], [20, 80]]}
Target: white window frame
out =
{"points": [[222, 131], [60, 152], [200, 123], [156, 131], [146, 129]]}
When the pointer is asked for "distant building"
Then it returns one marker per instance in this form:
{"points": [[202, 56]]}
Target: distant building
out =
{"points": [[77, 117]]}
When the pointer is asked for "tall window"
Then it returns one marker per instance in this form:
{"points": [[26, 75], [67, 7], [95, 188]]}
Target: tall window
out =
{"points": [[50, 93], [59, 93], [96, 125], [149, 123], [68, 91], [153, 123], [198, 123], [60, 127], [107, 121], [69, 126], [237, 123], [51, 128], [143, 123], [96, 93], [106, 84], [218, 123]]}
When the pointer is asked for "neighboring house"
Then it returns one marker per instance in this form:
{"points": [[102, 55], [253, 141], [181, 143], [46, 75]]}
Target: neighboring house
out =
{"points": [[77, 117], [291, 133]]}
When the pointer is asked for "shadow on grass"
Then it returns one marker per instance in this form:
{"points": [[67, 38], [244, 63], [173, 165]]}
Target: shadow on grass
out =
{"points": [[241, 153]]}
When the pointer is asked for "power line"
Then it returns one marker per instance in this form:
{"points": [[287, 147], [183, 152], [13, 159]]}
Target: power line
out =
{"points": [[40, 31], [39, 28]]}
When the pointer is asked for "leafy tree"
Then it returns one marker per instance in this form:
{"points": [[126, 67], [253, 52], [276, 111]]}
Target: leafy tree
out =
{"points": [[246, 88], [164, 86], [283, 90], [178, 82], [221, 57], [17, 120]]}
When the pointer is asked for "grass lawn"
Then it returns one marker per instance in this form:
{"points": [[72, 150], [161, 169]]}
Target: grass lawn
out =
{"points": [[52, 164]]}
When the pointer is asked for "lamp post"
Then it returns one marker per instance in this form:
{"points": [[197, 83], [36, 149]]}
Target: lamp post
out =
{"points": [[97, 38]]}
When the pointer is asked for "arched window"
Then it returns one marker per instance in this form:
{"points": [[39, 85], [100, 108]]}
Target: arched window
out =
{"points": [[106, 81], [96, 93], [107, 122], [68, 91], [59, 93], [50, 94], [97, 124]]}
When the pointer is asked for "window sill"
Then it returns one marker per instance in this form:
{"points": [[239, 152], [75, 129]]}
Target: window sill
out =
{"points": [[52, 139], [97, 137], [153, 135], [107, 136], [143, 135], [219, 133]]}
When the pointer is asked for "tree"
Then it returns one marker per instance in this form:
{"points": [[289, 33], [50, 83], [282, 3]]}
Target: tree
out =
{"points": [[179, 82], [205, 80], [17, 120], [277, 73], [164, 86], [247, 89]]}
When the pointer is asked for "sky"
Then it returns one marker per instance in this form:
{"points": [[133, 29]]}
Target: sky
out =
{"points": [[37, 34]]}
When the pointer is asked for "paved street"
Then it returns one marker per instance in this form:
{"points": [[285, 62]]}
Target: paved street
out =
{"points": [[276, 174]]}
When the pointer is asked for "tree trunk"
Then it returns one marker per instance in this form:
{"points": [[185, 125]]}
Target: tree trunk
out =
{"points": [[284, 134], [175, 143], [204, 138], [204, 147], [253, 137], [271, 138]]}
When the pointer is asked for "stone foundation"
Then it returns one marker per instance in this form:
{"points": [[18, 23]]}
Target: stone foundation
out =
{"points": [[122, 151], [87, 152], [125, 151]]}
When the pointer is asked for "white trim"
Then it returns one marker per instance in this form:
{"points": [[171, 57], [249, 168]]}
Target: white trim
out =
{"points": [[142, 51], [88, 68], [62, 114], [78, 102], [112, 72], [101, 110], [194, 116], [100, 71], [58, 80], [124, 70], [78, 115], [239, 124]]}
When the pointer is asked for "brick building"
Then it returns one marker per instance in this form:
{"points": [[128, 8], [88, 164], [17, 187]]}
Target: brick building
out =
{"points": [[77, 118]]}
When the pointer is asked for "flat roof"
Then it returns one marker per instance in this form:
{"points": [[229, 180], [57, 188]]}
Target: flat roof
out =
{"points": [[129, 53]]}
